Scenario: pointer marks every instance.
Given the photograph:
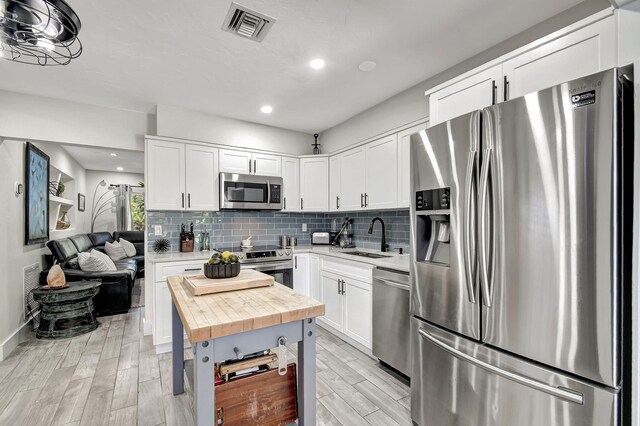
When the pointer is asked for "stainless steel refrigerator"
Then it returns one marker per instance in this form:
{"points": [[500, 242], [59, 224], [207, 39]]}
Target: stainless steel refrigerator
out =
{"points": [[520, 239]]}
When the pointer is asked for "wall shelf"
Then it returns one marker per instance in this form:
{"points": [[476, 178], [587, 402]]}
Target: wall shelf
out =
{"points": [[60, 200]]}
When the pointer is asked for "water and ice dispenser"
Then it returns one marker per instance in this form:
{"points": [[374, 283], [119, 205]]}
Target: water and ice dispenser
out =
{"points": [[433, 226]]}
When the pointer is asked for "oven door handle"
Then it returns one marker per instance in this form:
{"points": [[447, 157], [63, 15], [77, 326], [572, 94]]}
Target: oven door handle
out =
{"points": [[267, 266]]}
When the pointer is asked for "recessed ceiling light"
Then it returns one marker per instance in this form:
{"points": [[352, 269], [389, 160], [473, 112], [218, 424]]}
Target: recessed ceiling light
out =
{"points": [[119, 169], [267, 109], [113, 154], [317, 63], [367, 66]]}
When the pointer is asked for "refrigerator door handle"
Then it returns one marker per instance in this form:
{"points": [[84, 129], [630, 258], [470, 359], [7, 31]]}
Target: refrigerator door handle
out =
{"points": [[482, 221], [469, 237], [566, 394]]}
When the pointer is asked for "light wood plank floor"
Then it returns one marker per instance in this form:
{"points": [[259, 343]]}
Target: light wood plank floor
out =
{"points": [[113, 376]]}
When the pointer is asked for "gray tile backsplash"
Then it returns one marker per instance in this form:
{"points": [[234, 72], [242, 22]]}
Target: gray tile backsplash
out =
{"points": [[228, 228]]}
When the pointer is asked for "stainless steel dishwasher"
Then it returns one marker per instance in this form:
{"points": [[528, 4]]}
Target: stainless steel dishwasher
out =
{"points": [[391, 319]]}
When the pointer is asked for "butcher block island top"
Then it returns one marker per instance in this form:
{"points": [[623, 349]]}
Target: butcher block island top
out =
{"points": [[221, 314]]}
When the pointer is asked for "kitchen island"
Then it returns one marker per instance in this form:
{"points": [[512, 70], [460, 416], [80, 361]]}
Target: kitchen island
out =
{"points": [[222, 325]]}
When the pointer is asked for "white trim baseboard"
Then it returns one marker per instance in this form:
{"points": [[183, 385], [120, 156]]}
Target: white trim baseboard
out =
{"points": [[12, 342]]}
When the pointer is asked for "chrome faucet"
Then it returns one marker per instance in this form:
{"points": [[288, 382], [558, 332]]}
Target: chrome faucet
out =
{"points": [[383, 244]]}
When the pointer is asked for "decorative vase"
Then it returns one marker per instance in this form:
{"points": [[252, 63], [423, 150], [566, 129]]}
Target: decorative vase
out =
{"points": [[222, 270], [64, 222]]}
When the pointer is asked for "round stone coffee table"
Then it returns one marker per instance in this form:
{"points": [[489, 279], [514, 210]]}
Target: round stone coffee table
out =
{"points": [[67, 312]]}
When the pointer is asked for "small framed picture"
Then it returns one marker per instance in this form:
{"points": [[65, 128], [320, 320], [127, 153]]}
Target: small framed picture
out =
{"points": [[80, 202]]}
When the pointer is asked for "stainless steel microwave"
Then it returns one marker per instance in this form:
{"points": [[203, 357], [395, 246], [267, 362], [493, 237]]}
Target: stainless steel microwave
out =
{"points": [[250, 192]]}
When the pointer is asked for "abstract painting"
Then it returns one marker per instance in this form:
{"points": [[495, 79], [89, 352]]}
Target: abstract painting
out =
{"points": [[81, 202], [37, 196]]}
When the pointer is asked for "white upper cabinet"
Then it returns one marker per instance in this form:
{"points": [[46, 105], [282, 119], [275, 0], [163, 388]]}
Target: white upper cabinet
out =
{"points": [[475, 92], [267, 164], [579, 50], [335, 171], [291, 183], [382, 173], [254, 163], [352, 179], [165, 177], [181, 176], [314, 184], [202, 178], [583, 52], [404, 164], [235, 161]]}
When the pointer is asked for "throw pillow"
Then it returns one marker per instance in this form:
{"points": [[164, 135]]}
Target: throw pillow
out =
{"points": [[95, 262], [115, 251], [129, 248]]}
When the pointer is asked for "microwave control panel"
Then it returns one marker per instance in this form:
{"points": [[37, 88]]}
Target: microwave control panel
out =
{"points": [[275, 193], [433, 199]]}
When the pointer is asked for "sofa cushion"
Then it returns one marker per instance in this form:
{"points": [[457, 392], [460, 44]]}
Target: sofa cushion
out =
{"points": [[95, 262], [99, 238], [62, 249], [115, 250], [135, 237], [128, 247], [82, 242]]}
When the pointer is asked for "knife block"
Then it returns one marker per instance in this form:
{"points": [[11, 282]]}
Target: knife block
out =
{"points": [[186, 241]]}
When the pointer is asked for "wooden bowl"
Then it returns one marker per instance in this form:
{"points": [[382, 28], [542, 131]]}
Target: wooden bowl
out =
{"points": [[222, 270]]}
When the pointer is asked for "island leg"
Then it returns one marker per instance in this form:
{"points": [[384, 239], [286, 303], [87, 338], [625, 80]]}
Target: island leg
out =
{"points": [[204, 392], [307, 374], [177, 346]]}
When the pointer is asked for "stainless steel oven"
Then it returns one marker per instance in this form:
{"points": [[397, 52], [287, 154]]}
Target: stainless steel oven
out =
{"points": [[280, 270], [250, 192], [271, 260]]}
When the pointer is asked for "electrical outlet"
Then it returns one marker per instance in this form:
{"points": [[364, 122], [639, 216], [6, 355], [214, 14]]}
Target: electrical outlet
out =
{"points": [[304, 227], [157, 230]]}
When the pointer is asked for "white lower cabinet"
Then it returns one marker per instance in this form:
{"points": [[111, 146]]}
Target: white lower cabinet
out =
{"points": [[357, 311], [301, 274], [314, 276], [332, 299], [347, 300], [162, 298]]}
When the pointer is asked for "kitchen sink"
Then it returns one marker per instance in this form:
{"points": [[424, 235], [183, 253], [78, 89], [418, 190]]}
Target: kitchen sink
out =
{"points": [[367, 254]]}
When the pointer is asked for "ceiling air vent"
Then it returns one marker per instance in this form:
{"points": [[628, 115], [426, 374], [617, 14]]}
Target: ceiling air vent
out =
{"points": [[247, 23]]}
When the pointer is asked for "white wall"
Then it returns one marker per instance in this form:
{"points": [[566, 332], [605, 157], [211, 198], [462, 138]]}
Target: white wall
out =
{"points": [[30, 117], [198, 126], [14, 255], [411, 105], [106, 221]]}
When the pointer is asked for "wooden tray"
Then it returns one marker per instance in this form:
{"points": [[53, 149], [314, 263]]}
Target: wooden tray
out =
{"points": [[248, 278]]}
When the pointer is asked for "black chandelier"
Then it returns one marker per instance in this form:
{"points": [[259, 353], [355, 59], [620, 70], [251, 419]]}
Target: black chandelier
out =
{"points": [[39, 32]]}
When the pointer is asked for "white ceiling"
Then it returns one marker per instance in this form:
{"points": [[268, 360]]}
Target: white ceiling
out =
{"points": [[141, 53], [92, 158]]}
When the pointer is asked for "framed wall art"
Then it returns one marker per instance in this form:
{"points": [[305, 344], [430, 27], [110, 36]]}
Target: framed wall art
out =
{"points": [[81, 202], [36, 195]]}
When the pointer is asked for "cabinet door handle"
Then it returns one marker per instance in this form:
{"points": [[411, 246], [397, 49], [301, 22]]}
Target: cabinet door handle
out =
{"points": [[339, 286], [296, 261], [506, 88], [301, 203], [337, 203], [183, 200], [189, 200], [366, 199], [249, 165], [192, 269], [285, 203], [494, 92], [255, 169], [343, 291], [361, 200]]}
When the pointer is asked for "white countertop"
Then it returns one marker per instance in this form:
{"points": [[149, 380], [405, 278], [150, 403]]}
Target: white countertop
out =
{"points": [[398, 262]]}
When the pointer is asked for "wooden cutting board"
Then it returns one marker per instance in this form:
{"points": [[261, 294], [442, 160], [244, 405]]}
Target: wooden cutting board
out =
{"points": [[248, 278]]}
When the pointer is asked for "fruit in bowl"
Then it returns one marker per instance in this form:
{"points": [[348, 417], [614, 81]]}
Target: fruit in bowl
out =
{"points": [[222, 265]]}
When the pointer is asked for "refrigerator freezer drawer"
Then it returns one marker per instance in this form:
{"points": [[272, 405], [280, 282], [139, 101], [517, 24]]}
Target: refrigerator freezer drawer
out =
{"points": [[457, 381]]}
